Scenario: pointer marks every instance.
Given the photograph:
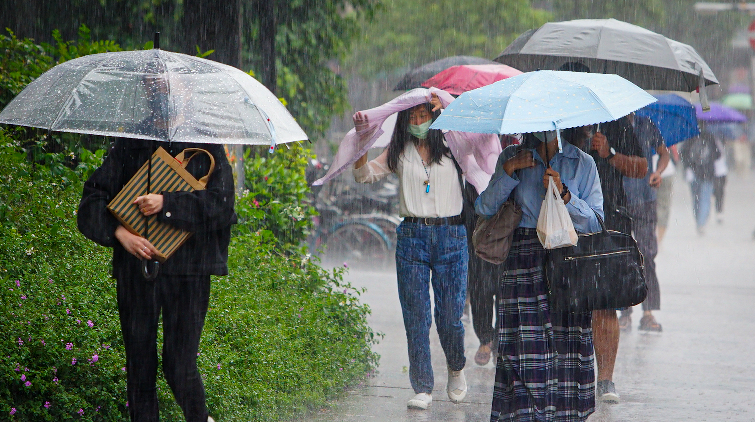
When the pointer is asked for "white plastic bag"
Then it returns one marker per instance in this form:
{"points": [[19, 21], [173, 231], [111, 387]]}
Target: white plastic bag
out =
{"points": [[554, 226]]}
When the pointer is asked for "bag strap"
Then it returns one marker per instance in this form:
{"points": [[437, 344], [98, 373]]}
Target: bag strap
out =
{"points": [[185, 162]]}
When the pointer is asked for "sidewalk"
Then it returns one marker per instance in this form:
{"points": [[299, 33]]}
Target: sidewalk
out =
{"points": [[699, 369]]}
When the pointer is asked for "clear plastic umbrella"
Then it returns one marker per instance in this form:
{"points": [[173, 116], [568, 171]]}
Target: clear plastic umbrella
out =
{"points": [[157, 95]]}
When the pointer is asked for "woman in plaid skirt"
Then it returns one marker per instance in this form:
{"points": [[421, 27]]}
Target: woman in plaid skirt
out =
{"points": [[545, 366]]}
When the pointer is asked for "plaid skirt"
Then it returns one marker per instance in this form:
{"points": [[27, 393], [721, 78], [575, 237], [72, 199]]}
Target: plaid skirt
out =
{"points": [[545, 368]]}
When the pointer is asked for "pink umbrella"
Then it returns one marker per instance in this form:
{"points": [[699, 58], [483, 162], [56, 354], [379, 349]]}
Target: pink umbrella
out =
{"points": [[466, 77]]}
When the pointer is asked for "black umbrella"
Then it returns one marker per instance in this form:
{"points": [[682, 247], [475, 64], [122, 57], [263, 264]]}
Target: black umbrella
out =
{"points": [[415, 77], [646, 58]]}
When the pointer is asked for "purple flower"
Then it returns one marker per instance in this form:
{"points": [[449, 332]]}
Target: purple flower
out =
{"points": [[69, 346], [218, 366], [298, 315], [90, 323], [68, 311], [106, 346], [123, 369], [28, 383], [47, 403], [23, 297], [73, 361], [10, 289], [12, 410], [20, 342], [345, 265], [78, 321], [95, 358], [23, 377], [50, 280], [43, 343], [18, 283], [345, 291], [81, 412], [55, 380]]}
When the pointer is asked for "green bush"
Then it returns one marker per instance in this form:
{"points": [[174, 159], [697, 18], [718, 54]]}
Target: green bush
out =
{"points": [[275, 201]]}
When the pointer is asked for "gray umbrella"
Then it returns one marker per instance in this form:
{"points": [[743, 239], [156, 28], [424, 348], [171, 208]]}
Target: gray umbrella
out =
{"points": [[157, 95], [648, 59], [415, 77]]}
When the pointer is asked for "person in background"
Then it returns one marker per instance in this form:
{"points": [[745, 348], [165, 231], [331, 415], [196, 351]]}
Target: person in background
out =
{"points": [[431, 245], [664, 193], [641, 205], [544, 369], [699, 155], [483, 283], [720, 171]]}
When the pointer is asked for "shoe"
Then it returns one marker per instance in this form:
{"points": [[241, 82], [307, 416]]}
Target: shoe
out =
{"points": [[625, 322], [482, 357], [605, 391], [648, 323], [457, 386], [420, 401], [210, 419]]}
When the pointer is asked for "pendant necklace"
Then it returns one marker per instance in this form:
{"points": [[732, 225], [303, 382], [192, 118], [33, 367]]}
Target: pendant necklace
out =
{"points": [[427, 182]]}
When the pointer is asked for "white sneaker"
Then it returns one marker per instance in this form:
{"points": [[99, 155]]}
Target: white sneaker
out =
{"points": [[210, 419], [457, 386], [420, 401]]}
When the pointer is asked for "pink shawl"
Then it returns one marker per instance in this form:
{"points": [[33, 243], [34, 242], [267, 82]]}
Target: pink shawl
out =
{"points": [[476, 153]]}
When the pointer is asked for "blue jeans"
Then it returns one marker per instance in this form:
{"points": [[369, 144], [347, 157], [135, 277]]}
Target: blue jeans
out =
{"points": [[702, 191], [423, 250]]}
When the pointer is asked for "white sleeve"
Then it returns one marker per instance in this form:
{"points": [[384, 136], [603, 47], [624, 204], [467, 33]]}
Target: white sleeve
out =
{"points": [[373, 170]]}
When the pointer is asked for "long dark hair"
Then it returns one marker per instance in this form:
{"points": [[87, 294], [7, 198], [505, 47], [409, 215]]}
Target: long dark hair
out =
{"points": [[400, 137]]}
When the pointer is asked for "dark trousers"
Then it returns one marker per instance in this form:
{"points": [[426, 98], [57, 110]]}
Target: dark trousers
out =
{"points": [[644, 219], [482, 285], [719, 183], [183, 301]]}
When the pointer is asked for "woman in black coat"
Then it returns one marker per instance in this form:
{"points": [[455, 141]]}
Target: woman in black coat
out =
{"points": [[182, 287]]}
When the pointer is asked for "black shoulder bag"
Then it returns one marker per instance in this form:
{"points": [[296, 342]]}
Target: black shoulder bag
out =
{"points": [[604, 270]]}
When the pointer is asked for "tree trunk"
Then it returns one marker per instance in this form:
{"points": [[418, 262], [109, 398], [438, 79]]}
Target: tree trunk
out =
{"points": [[265, 10], [215, 26]]}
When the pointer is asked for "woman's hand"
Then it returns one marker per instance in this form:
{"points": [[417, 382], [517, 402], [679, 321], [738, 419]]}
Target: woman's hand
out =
{"points": [[435, 102], [549, 172], [135, 245], [522, 160], [360, 122], [149, 204]]}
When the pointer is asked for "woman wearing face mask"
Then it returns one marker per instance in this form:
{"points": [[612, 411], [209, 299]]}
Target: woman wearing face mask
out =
{"points": [[431, 245], [545, 366]]}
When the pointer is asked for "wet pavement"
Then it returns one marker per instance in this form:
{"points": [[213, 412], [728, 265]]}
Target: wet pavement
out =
{"points": [[700, 368]]}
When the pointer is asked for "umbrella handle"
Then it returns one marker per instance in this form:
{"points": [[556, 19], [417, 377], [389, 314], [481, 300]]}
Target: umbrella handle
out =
{"points": [[146, 272]]}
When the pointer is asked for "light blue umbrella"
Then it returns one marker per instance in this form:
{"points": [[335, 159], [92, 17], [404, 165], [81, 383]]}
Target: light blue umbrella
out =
{"points": [[542, 101]]}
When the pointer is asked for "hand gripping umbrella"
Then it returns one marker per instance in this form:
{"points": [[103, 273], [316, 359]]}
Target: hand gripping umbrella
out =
{"points": [[647, 59], [154, 95]]}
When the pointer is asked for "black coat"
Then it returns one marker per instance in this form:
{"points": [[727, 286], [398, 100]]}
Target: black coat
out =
{"points": [[207, 213]]}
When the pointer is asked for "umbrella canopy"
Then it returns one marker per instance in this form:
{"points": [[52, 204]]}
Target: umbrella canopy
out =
{"points": [[415, 77], [726, 131], [719, 113], [646, 58], [466, 77], [674, 117], [738, 101], [542, 101], [156, 95]]}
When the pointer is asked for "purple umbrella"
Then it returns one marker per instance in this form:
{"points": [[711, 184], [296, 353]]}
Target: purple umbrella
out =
{"points": [[719, 113]]}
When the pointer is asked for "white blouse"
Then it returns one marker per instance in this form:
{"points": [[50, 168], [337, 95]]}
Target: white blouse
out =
{"points": [[444, 198]]}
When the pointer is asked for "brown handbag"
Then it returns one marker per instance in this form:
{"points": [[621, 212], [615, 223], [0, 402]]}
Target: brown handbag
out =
{"points": [[492, 237], [168, 175]]}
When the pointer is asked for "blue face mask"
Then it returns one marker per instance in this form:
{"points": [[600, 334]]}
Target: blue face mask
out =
{"points": [[420, 131]]}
